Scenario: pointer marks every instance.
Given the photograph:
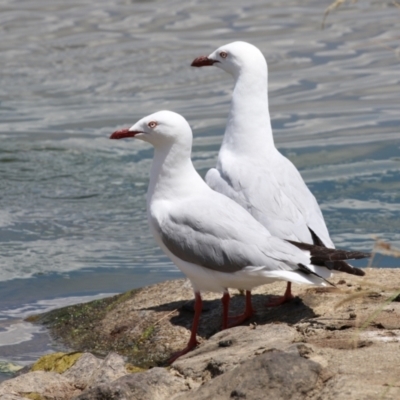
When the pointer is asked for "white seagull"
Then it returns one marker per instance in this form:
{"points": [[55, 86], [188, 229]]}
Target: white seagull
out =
{"points": [[214, 241], [250, 170]]}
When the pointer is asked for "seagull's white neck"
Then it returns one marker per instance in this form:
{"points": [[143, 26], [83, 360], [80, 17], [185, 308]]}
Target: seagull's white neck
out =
{"points": [[172, 173], [248, 128]]}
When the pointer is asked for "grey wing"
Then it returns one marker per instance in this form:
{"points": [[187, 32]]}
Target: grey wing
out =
{"points": [[304, 200], [262, 196], [224, 238]]}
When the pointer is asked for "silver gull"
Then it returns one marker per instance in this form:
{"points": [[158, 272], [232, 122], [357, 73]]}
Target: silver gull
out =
{"points": [[250, 170], [214, 241]]}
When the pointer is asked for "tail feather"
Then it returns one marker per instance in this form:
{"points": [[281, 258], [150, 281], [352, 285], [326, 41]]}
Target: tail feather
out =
{"points": [[336, 265], [343, 266], [333, 259]]}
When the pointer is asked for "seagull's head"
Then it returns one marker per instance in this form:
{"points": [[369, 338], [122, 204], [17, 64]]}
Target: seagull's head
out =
{"points": [[234, 58], [162, 128]]}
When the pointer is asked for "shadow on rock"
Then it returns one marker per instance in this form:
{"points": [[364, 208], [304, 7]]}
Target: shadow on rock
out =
{"points": [[211, 319]]}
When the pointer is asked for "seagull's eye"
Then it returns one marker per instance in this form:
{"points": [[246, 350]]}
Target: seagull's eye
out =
{"points": [[223, 54], [152, 124]]}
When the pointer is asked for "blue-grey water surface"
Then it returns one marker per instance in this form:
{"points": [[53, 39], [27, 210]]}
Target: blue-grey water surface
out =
{"points": [[72, 202]]}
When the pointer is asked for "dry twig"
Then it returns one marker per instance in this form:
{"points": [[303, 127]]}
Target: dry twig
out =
{"points": [[384, 248], [336, 4]]}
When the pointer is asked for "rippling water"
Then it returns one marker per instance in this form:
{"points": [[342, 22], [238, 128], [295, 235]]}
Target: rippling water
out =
{"points": [[72, 201]]}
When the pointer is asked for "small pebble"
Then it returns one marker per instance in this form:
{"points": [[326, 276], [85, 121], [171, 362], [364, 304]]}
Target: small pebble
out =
{"points": [[225, 343]]}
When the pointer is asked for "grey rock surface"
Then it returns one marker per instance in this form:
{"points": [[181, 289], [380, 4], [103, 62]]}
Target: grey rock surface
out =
{"points": [[49, 385], [111, 368], [155, 384], [9, 396], [87, 371], [274, 375], [82, 372], [231, 347]]}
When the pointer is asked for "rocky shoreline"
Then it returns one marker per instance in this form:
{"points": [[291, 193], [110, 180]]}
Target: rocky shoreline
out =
{"points": [[328, 343]]}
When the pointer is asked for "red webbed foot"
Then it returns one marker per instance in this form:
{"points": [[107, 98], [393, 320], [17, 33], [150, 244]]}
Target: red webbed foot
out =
{"points": [[283, 299], [229, 322], [190, 346]]}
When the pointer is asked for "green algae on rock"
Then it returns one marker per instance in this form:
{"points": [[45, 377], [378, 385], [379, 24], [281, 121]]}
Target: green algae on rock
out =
{"points": [[77, 327], [133, 369], [33, 396], [145, 325], [56, 362]]}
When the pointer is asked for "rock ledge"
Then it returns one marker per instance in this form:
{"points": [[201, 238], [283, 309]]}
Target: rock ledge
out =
{"points": [[327, 344]]}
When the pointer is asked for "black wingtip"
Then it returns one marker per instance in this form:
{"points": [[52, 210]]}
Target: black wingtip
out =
{"points": [[324, 256], [343, 266], [333, 259]]}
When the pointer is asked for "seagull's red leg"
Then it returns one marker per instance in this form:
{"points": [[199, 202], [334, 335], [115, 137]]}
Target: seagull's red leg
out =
{"points": [[283, 299], [225, 309], [198, 306], [229, 322]]}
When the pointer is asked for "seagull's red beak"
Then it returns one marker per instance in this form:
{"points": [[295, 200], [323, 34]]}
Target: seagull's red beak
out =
{"points": [[203, 61], [124, 133]]}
